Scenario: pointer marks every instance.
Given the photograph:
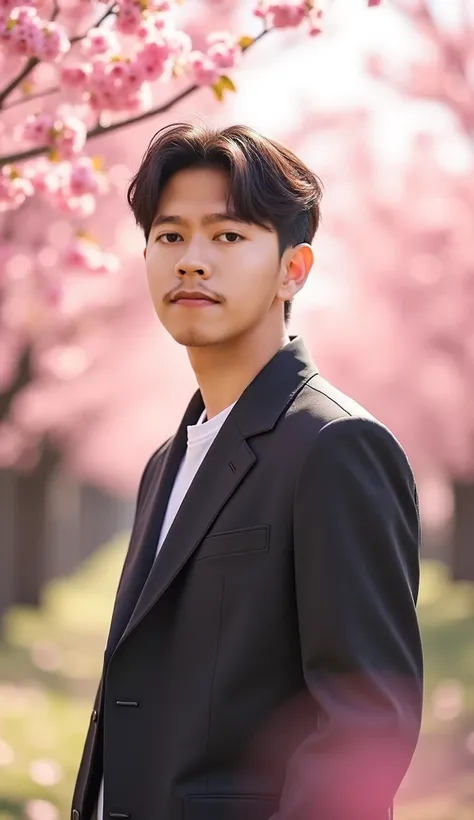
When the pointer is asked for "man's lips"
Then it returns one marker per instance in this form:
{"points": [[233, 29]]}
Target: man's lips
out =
{"points": [[193, 299]]}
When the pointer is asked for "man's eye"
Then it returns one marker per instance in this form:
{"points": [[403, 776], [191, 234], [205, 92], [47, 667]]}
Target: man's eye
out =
{"points": [[169, 238], [231, 237]]}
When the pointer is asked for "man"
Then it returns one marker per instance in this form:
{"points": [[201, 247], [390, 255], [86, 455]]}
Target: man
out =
{"points": [[264, 656]]}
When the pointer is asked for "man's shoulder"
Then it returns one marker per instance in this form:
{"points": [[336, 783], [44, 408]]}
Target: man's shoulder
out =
{"points": [[323, 414], [322, 407], [320, 403]]}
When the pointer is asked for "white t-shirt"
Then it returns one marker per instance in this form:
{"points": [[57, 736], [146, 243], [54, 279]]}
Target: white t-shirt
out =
{"points": [[200, 438]]}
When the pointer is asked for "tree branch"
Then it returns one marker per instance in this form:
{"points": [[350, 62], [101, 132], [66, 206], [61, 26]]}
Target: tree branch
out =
{"points": [[33, 61], [99, 130], [111, 10], [27, 98], [30, 65]]}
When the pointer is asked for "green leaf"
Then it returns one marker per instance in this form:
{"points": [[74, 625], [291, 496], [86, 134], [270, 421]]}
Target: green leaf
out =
{"points": [[222, 85]]}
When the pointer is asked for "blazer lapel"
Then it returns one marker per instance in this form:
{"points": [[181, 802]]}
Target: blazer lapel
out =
{"points": [[225, 465], [147, 527]]}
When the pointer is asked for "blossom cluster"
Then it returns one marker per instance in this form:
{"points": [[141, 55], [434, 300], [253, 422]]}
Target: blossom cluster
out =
{"points": [[291, 13], [65, 136], [71, 187], [24, 34], [110, 69], [84, 254], [108, 81]]}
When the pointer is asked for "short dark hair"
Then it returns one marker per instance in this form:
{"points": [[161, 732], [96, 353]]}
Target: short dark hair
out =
{"points": [[268, 184]]}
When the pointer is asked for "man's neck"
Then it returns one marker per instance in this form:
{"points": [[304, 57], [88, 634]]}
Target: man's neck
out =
{"points": [[224, 371]]}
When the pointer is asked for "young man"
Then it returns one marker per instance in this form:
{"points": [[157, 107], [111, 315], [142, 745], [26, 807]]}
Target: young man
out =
{"points": [[264, 656]]}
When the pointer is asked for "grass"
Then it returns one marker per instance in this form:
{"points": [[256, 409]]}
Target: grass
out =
{"points": [[50, 661]]}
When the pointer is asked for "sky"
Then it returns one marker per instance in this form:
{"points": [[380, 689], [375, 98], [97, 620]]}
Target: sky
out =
{"points": [[290, 72]]}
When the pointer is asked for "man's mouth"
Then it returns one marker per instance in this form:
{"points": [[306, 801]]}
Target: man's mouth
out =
{"points": [[193, 298]]}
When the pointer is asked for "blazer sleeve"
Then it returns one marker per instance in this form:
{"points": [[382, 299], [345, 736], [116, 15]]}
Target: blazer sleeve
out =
{"points": [[356, 553]]}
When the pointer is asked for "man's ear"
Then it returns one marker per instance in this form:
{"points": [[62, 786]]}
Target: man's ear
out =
{"points": [[296, 265]]}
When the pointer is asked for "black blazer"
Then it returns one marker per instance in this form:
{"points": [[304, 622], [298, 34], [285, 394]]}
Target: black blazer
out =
{"points": [[268, 663]]}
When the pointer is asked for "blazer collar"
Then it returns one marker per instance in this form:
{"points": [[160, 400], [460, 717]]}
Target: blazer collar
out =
{"points": [[266, 397]]}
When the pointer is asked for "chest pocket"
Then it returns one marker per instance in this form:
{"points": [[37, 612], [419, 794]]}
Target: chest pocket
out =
{"points": [[235, 542]]}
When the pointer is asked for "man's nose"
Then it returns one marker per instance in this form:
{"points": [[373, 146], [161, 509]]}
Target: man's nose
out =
{"points": [[192, 266]]}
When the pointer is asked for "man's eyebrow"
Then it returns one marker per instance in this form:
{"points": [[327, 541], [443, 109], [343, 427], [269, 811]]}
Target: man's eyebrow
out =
{"points": [[208, 219]]}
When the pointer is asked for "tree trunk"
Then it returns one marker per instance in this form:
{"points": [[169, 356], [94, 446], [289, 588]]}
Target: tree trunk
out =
{"points": [[82, 518], [25, 504], [31, 527], [7, 543], [63, 553], [462, 556], [103, 518]]}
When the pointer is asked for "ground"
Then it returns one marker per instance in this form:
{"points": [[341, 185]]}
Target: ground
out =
{"points": [[50, 661]]}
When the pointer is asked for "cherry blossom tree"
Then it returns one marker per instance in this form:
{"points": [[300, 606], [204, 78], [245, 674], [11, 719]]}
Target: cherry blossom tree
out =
{"points": [[76, 72], [398, 334], [440, 72], [77, 75], [94, 70]]}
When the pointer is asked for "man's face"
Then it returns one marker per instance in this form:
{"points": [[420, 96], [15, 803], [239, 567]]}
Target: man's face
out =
{"points": [[193, 247]]}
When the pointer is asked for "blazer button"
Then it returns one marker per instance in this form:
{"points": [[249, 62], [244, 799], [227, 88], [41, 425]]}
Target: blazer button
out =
{"points": [[75, 815], [94, 716]]}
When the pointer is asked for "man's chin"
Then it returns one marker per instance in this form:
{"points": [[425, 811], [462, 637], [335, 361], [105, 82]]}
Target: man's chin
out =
{"points": [[192, 337]]}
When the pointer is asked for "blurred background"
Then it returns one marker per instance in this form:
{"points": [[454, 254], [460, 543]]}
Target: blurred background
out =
{"points": [[381, 106]]}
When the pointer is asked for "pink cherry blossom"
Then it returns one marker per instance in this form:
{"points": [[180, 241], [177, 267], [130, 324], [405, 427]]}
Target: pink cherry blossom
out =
{"points": [[116, 71], [85, 178], [151, 24], [316, 22], [180, 43], [22, 14], [80, 254], [85, 255], [111, 82], [21, 33], [80, 206], [69, 136], [223, 50], [100, 41], [43, 174], [54, 43], [14, 188], [282, 13], [135, 75], [129, 17], [159, 5], [37, 128], [6, 7], [203, 70], [139, 100], [25, 34], [75, 76], [152, 59]]}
